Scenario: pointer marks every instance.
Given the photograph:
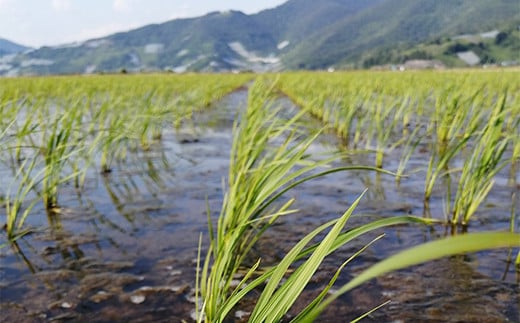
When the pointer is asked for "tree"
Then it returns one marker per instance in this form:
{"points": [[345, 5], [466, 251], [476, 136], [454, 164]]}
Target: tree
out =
{"points": [[501, 37]]}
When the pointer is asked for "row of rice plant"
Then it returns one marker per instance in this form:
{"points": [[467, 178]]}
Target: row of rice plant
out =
{"points": [[269, 157], [471, 116], [56, 129]]}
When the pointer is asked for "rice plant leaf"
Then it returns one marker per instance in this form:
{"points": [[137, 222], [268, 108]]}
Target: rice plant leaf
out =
{"points": [[472, 242], [262, 306], [327, 288], [340, 241], [272, 306], [370, 312], [350, 235]]}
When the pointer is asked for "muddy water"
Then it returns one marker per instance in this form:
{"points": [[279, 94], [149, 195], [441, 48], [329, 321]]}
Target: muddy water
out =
{"points": [[125, 249]]}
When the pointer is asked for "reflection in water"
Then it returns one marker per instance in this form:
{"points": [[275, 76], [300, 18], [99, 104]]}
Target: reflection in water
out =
{"points": [[19, 253], [373, 181]]}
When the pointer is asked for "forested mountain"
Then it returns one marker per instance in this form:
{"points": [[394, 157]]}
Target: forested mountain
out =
{"points": [[8, 47], [295, 35]]}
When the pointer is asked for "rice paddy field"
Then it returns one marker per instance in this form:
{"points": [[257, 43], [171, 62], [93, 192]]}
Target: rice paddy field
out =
{"points": [[379, 196]]}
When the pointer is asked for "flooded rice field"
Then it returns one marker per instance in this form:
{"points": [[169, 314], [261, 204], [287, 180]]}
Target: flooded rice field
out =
{"points": [[125, 249]]}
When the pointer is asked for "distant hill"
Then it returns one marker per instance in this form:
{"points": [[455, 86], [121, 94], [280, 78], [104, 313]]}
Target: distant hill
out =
{"points": [[398, 22], [499, 46], [8, 47], [299, 34]]}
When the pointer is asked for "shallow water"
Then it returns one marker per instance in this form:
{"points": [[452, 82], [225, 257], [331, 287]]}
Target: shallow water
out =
{"points": [[125, 248]]}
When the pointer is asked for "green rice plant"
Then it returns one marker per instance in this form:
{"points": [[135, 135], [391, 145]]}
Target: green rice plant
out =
{"points": [[252, 182], [384, 122], [259, 175], [57, 151], [63, 125], [409, 148], [479, 169], [277, 297], [344, 120], [24, 182], [149, 124], [454, 127], [3, 134], [512, 121], [111, 142], [22, 134], [422, 253], [515, 160]]}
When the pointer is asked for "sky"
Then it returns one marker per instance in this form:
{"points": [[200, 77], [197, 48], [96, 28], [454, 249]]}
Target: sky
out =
{"points": [[38, 23]]}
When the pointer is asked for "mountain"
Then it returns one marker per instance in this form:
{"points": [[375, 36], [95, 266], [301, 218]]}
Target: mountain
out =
{"points": [[500, 46], [397, 22], [297, 34], [8, 47]]}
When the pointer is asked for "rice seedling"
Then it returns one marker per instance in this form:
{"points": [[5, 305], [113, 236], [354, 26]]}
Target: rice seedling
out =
{"points": [[512, 124], [112, 142], [252, 182], [54, 129], [258, 176], [480, 168], [444, 116], [451, 115], [70, 124], [16, 213], [409, 148], [57, 152], [384, 122]]}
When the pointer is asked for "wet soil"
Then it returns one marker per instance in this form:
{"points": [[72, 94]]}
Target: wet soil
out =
{"points": [[124, 250]]}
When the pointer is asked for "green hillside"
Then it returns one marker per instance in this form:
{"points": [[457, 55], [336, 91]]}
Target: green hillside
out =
{"points": [[299, 34], [502, 49], [8, 47], [397, 23]]}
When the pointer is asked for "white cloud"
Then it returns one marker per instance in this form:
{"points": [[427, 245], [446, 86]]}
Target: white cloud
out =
{"points": [[121, 5], [4, 4], [61, 5]]}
